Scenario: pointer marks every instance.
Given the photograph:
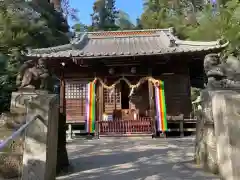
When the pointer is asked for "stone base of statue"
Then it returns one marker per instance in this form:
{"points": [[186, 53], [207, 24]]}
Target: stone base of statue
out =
{"points": [[11, 158], [218, 131], [12, 154], [41, 137]]}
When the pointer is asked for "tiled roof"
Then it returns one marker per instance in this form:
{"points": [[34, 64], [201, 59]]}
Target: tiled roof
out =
{"points": [[125, 43]]}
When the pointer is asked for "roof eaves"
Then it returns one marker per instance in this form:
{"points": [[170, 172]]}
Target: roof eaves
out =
{"points": [[80, 54]]}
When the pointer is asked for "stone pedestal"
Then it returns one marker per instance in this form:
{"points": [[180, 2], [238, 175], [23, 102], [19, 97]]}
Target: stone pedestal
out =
{"points": [[12, 154], [205, 135], [221, 130], [41, 137], [19, 101]]}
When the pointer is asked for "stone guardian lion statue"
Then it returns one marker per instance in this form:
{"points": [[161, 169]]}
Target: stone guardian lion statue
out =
{"points": [[222, 73], [33, 74]]}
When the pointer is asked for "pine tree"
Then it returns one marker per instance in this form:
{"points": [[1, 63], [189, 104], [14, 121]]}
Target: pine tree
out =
{"points": [[138, 24], [104, 15]]}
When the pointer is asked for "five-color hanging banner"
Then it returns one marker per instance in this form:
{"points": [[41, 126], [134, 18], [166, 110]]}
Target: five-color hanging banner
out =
{"points": [[159, 100], [160, 107], [91, 107]]}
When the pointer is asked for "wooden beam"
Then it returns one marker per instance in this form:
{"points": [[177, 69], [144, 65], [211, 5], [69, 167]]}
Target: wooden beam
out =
{"points": [[151, 105]]}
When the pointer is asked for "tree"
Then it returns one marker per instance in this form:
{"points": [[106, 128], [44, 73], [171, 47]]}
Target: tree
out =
{"points": [[223, 23], [104, 15], [123, 21], [25, 25], [156, 14], [138, 24], [68, 11], [207, 23], [56, 23], [79, 27]]}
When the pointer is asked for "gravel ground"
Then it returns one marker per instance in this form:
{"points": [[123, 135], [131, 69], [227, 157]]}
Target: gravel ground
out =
{"points": [[134, 159]]}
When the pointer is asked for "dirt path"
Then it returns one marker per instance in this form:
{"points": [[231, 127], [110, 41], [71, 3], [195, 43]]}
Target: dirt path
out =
{"points": [[134, 159]]}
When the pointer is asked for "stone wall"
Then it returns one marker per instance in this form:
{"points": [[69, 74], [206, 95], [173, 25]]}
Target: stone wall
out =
{"points": [[218, 129]]}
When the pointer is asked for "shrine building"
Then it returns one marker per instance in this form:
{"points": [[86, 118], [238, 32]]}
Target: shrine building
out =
{"points": [[128, 82]]}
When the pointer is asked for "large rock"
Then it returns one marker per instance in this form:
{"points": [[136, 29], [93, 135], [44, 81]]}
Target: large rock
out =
{"points": [[218, 143]]}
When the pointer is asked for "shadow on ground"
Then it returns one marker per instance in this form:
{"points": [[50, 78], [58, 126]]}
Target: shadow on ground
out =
{"points": [[134, 159]]}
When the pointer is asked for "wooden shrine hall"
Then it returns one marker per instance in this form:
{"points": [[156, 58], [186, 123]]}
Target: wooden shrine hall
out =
{"points": [[128, 82]]}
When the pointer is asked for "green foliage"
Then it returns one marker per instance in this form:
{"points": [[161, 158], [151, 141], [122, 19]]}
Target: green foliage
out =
{"points": [[25, 25], [68, 11], [138, 24], [79, 27], [223, 24], [104, 15], [123, 21], [208, 24], [54, 22]]}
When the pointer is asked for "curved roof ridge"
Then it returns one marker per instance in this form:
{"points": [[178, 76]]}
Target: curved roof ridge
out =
{"points": [[79, 38], [51, 49], [124, 33], [75, 41], [200, 43], [165, 38], [125, 36], [135, 30]]}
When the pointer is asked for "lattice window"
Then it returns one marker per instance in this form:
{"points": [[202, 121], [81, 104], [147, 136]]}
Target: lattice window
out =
{"points": [[76, 94], [76, 90], [112, 100]]}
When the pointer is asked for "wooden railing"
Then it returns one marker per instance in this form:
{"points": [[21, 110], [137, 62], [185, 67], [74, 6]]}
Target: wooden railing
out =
{"points": [[126, 127]]}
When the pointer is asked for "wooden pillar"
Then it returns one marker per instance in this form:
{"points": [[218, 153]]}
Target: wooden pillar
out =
{"points": [[152, 106], [99, 107], [62, 95], [181, 127], [62, 156]]}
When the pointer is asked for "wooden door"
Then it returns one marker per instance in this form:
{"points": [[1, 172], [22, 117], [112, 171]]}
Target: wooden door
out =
{"points": [[112, 100], [76, 94]]}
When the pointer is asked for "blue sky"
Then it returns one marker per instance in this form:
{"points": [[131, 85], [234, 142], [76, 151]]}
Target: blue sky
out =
{"points": [[132, 7]]}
